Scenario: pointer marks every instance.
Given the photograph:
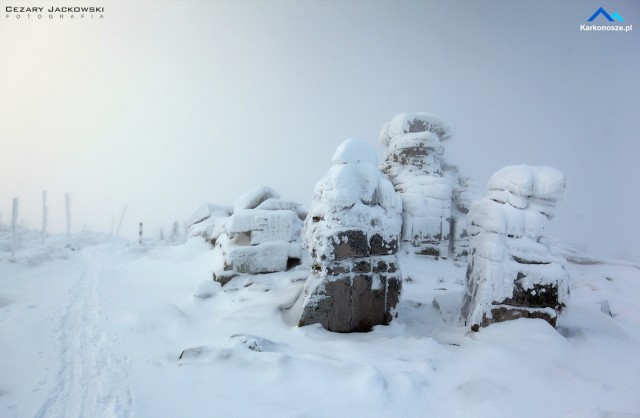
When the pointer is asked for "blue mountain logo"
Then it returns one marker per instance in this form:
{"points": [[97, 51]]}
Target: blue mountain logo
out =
{"points": [[610, 17]]}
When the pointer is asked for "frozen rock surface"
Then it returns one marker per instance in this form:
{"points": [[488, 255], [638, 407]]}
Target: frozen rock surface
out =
{"points": [[255, 197], [512, 272], [202, 221], [435, 197], [352, 233], [262, 235]]}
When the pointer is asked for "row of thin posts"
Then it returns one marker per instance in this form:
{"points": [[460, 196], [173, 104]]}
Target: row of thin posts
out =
{"points": [[45, 215]]}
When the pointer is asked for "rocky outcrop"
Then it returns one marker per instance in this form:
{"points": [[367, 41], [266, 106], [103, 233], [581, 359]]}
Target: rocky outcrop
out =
{"points": [[435, 198], [202, 222], [512, 272], [352, 233], [262, 235]]}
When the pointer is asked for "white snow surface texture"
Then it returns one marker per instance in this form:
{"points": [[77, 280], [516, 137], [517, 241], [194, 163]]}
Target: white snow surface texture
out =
{"points": [[93, 326]]}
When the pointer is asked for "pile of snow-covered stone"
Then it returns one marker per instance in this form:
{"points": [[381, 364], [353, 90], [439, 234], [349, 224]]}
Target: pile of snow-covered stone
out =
{"points": [[435, 197], [352, 233], [203, 221], [360, 216], [512, 273], [260, 234]]}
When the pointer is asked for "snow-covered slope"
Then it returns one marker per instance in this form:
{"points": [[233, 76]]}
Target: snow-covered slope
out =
{"points": [[91, 326]]}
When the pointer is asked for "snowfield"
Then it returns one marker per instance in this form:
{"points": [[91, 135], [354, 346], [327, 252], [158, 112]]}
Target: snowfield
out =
{"points": [[94, 326]]}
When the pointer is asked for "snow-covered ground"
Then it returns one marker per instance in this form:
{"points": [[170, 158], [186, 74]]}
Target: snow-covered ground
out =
{"points": [[93, 326]]}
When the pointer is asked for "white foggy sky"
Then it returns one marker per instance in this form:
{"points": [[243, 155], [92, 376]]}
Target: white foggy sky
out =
{"points": [[165, 105]]}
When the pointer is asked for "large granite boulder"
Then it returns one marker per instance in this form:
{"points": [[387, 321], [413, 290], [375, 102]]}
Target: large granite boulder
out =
{"points": [[261, 235], [512, 272], [435, 198], [352, 233]]}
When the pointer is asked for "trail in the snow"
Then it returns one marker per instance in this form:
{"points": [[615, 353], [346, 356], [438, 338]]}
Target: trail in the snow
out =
{"points": [[93, 377]]}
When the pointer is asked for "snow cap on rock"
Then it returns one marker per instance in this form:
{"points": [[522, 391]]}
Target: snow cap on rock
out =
{"points": [[207, 210], [355, 151], [354, 177], [255, 197], [541, 182]]}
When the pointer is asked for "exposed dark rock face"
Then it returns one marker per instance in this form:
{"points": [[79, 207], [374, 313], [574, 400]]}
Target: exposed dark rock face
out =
{"points": [[352, 233], [224, 277], [512, 273], [349, 244]]}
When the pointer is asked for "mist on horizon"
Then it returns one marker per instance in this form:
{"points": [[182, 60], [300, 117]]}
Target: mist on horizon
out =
{"points": [[163, 109]]}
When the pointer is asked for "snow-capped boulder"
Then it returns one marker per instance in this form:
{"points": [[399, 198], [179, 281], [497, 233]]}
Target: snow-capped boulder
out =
{"points": [[435, 197], [262, 235], [512, 271], [352, 233], [202, 222], [255, 197]]}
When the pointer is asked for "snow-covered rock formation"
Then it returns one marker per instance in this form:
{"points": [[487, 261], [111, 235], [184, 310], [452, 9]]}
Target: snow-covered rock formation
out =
{"points": [[203, 221], [262, 235], [512, 273], [352, 233], [435, 197]]}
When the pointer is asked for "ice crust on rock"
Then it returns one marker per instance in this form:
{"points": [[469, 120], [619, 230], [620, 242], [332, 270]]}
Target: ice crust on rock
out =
{"points": [[202, 222], [512, 272], [352, 233], [261, 235], [541, 182], [435, 197], [418, 122]]}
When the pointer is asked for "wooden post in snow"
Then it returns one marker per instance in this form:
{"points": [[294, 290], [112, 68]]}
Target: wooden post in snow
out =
{"points": [[140, 233], [124, 210], [45, 209], [67, 200], [14, 221]]}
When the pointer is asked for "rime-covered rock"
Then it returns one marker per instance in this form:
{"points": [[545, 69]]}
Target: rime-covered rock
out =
{"points": [[352, 233], [512, 272], [202, 222], [261, 235], [435, 197], [255, 197]]}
